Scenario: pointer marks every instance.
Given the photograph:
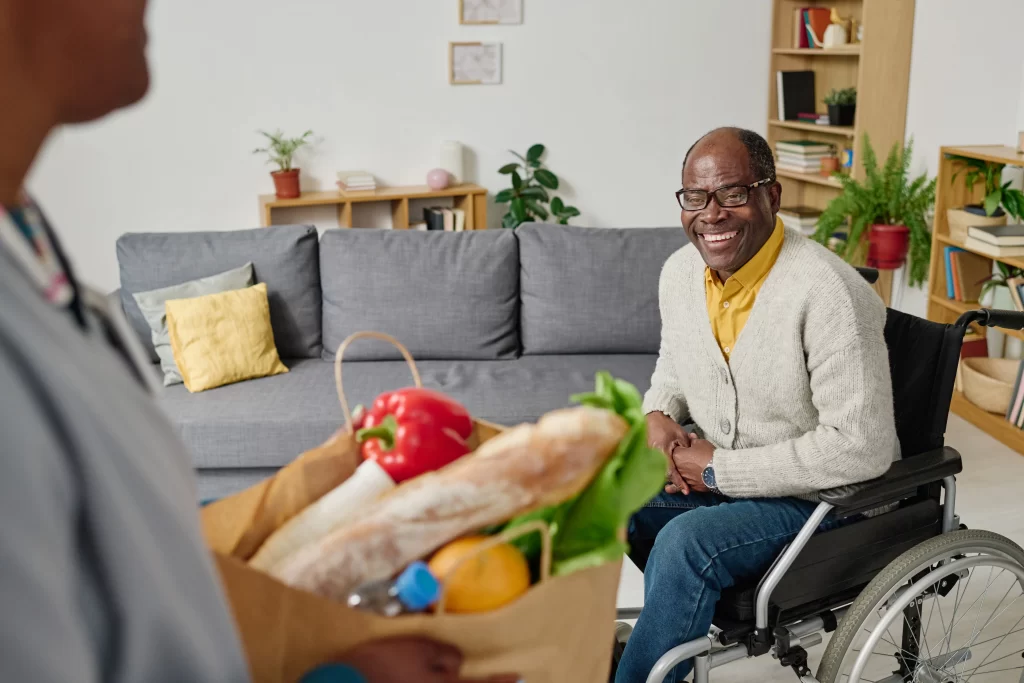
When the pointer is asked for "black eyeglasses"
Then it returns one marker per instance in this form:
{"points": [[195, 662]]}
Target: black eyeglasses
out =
{"points": [[727, 197]]}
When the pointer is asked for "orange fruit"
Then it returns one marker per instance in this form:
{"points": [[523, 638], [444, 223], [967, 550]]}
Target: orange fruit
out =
{"points": [[490, 579]]}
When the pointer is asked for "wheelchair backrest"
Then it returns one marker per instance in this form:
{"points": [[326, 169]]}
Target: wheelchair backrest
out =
{"points": [[923, 360]]}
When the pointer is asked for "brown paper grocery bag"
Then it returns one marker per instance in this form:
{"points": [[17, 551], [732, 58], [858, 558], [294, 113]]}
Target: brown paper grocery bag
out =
{"points": [[560, 631]]}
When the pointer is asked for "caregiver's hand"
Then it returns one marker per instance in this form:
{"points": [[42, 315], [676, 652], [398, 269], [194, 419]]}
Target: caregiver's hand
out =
{"points": [[401, 660]]}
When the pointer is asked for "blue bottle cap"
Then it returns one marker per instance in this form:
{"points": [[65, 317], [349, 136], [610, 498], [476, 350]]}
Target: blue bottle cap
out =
{"points": [[417, 588]]}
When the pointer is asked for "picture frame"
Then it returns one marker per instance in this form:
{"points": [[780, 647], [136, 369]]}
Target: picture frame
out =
{"points": [[490, 12], [474, 63]]}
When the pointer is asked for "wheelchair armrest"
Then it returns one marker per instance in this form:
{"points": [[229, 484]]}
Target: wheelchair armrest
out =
{"points": [[903, 478]]}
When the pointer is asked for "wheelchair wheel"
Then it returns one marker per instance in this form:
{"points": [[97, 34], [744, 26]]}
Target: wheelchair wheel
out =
{"points": [[946, 611]]}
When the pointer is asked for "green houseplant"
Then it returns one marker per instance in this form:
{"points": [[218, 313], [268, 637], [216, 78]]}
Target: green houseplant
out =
{"points": [[842, 106], [528, 198], [998, 201], [280, 151], [888, 208]]}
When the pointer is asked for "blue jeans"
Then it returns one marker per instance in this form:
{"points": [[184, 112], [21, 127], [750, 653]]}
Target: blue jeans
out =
{"points": [[690, 548]]}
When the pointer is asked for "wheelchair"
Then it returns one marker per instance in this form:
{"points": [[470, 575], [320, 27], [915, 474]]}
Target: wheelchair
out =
{"points": [[908, 594]]}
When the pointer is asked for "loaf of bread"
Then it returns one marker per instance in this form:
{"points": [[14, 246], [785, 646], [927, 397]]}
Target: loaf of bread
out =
{"points": [[525, 468]]}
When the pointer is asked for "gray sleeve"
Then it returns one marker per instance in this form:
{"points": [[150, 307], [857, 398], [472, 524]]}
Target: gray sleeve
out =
{"points": [[43, 637]]}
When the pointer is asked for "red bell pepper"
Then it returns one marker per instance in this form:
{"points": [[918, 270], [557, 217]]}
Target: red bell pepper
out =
{"points": [[413, 431]]}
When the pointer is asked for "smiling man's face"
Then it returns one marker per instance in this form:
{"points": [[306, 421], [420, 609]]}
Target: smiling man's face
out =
{"points": [[727, 238]]}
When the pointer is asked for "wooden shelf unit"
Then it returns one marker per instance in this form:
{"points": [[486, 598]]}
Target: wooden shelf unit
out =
{"points": [[879, 67], [470, 198], [841, 131], [813, 178], [950, 195]]}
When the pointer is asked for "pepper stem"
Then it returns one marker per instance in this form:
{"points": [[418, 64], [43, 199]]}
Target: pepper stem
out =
{"points": [[385, 431]]}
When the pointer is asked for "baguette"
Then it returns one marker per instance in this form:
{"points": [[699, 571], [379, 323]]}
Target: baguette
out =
{"points": [[523, 469]]}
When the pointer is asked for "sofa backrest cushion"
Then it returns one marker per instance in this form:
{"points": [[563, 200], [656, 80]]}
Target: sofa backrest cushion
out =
{"points": [[592, 290], [444, 295], [285, 257]]}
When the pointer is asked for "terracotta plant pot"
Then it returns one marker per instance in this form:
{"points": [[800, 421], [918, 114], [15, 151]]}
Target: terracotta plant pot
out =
{"points": [[887, 246], [286, 183]]}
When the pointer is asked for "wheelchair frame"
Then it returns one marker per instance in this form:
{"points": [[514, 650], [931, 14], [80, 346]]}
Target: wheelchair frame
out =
{"points": [[789, 641]]}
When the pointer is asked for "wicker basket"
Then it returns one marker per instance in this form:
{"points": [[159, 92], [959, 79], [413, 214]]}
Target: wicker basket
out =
{"points": [[959, 220], [988, 382]]}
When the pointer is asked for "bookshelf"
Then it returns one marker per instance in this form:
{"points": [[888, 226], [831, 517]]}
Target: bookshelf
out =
{"points": [[950, 195], [879, 67], [468, 197]]}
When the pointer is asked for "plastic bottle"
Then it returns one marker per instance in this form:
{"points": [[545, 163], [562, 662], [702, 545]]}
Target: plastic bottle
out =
{"points": [[414, 590]]}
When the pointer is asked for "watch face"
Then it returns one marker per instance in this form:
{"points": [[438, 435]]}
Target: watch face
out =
{"points": [[708, 475]]}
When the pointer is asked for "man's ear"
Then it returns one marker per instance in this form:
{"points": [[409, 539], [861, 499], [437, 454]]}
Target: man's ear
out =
{"points": [[775, 196]]}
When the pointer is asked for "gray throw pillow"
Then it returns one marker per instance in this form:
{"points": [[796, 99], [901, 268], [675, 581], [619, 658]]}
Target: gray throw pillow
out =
{"points": [[151, 304]]}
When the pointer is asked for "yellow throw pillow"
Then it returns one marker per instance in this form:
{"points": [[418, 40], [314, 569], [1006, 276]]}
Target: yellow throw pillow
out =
{"points": [[223, 338]]}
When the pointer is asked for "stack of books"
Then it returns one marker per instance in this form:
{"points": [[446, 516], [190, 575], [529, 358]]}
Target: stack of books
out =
{"points": [[811, 117], [801, 156], [966, 274], [443, 218], [801, 218], [356, 181], [997, 240]]}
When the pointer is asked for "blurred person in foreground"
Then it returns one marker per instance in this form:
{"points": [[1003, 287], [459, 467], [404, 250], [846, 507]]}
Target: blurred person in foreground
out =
{"points": [[104, 576]]}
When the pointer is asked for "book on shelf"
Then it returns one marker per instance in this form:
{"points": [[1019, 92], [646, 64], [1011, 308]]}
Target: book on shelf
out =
{"points": [[799, 32], [449, 220], [816, 20], [356, 181], [812, 164], [800, 170], [460, 219], [795, 93], [1015, 412], [803, 147], [823, 120], [972, 270], [955, 276], [418, 225], [999, 235], [434, 217], [947, 253], [797, 156], [801, 218], [982, 247]]}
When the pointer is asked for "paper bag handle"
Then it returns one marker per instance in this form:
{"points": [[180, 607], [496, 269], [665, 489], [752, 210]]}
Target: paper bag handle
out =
{"points": [[341, 352], [504, 537]]}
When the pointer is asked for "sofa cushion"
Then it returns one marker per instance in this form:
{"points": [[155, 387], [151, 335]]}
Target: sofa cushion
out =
{"points": [[592, 290], [268, 422], [284, 257], [444, 295]]}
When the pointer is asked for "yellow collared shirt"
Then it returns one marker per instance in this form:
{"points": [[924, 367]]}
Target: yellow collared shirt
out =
{"points": [[730, 303]]}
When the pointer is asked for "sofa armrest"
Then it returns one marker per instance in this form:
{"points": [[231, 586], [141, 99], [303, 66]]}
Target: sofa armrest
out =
{"points": [[902, 479]]}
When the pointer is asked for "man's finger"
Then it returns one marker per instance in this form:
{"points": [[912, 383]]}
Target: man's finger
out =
{"points": [[671, 488]]}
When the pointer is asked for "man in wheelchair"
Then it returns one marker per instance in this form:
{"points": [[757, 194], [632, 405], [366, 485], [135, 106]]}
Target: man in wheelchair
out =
{"points": [[774, 348]]}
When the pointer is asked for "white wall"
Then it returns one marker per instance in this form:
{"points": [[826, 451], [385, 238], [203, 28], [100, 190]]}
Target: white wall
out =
{"points": [[617, 92], [966, 84]]}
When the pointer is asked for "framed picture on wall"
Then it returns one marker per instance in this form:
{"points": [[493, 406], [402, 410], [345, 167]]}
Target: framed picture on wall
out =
{"points": [[474, 63], [490, 11]]}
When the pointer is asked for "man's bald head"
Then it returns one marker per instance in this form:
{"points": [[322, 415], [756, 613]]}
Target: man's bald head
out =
{"points": [[759, 152]]}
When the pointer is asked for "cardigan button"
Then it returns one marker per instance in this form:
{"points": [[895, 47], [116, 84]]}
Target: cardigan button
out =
{"points": [[726, 427]]}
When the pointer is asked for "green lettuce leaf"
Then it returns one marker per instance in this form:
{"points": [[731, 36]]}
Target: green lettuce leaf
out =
{"points": [[588, 530]]}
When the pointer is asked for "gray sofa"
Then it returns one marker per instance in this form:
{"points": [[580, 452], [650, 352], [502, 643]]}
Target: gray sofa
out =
{"points": [[510, 323]]}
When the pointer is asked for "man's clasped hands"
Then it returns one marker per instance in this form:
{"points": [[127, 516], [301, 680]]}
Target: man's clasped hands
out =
{"points": [[688, 454]]}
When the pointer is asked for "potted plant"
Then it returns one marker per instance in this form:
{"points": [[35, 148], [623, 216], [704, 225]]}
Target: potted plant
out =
{"points": [[999, 200], [528, 198], [889, 209], [842, 106], [280, 151]]}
